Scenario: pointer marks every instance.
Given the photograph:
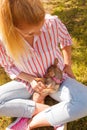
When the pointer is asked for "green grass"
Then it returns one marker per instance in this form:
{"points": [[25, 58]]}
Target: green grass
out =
{"points": [[73, 13]]}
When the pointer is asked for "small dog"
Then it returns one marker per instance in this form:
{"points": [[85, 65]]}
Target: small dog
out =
{"points": [[51, 79]]}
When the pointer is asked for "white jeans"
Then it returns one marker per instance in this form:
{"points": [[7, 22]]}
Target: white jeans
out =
{"points": [[72, 95]]}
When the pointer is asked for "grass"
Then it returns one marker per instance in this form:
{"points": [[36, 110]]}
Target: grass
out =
{"points": [[74, 16]]}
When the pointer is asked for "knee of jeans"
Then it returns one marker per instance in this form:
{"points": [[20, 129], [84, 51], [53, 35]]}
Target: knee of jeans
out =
{"points": [[76, 110]]}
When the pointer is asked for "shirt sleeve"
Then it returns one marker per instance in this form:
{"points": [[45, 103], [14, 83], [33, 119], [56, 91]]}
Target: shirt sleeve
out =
{"points": [[63, 35], [7, 63]]}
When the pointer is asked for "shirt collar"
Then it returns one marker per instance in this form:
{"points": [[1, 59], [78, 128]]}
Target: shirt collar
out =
{"points": [[46, 26], [43, 29]]}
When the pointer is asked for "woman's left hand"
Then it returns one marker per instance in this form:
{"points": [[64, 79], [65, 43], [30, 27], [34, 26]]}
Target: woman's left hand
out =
{"points": [[67, 69], [38, 86]]}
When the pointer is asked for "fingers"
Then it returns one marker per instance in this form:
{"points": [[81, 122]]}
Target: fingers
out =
{"points": [[33, 84], [40, 84], [39, 87]]}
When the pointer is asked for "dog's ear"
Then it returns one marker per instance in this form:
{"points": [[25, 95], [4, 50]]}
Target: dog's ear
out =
{"points": [[55, 61]]}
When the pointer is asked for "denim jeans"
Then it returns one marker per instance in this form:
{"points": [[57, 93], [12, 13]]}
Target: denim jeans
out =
{"points": [[72, 96], [14, 100]]}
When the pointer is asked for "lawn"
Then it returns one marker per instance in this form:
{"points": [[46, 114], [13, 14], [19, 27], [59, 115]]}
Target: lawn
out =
{"points": [[73, 13]]}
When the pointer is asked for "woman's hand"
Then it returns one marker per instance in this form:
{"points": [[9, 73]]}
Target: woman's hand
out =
{"points": [[37, 86], [68, 70]]}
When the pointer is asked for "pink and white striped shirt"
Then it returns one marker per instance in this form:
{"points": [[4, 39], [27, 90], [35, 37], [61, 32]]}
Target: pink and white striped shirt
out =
{"points": [[46, 47]]}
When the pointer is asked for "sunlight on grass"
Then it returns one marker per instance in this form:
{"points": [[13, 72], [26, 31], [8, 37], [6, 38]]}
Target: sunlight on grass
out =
{"points": [[3, 77], [4, 121], [80, 72]]}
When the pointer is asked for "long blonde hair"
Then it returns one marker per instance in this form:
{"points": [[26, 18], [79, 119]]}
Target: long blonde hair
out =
{"points": [[12, 12]]}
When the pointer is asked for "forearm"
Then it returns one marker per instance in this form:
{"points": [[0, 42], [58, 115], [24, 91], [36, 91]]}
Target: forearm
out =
{"points": [[37, 86], [67, 61], [67, 55], [26, 77]]}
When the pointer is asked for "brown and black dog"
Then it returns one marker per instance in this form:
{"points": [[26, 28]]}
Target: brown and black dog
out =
{"points": [[51, 79]]}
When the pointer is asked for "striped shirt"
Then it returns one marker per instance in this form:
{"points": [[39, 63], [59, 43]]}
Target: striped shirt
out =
{"points": [[46, 47]]}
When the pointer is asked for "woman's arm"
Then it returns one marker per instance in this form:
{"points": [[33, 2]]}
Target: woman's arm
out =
{"points": [[26, 77], [67, 61], [37, 86], [65, 41], [67, 55]]}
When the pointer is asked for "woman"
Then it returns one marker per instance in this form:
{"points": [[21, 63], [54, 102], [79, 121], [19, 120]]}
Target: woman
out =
{"points": [[30, 42]]}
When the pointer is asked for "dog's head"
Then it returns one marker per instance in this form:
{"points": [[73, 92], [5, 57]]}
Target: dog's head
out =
{"points": [[54, 71]]}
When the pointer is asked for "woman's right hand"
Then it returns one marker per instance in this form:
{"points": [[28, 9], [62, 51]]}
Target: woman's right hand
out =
{"points": [[37, 86]]}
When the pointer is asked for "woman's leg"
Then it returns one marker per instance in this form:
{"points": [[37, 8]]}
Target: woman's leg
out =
{"points": [[73, 105], [14, 100]]}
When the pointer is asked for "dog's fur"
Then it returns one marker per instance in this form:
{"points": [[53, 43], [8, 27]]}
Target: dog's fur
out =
{"points": [[51, 85]]}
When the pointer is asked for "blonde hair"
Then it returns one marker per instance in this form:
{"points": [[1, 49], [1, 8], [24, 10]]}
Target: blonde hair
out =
{"points": [[13, 12]]}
